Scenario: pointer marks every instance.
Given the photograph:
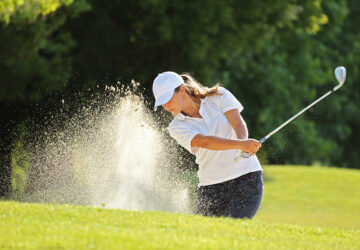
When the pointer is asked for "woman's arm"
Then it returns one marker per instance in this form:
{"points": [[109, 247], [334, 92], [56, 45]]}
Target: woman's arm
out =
{"points": [[238, 123], [250, 146]]}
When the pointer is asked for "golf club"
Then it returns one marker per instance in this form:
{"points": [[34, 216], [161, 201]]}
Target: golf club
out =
{"points": [[340, 74]]}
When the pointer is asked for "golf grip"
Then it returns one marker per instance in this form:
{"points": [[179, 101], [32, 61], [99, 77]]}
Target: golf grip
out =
{"points": [[243, 154]]}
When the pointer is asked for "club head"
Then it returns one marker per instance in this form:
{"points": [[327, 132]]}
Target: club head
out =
{"points": [[340, 74]]}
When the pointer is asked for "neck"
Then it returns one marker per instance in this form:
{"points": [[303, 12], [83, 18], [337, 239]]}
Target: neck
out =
{"points": [[192, 107]]}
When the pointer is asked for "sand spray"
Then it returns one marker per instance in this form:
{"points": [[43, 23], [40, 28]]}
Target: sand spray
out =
{"points": [[113, 156]]}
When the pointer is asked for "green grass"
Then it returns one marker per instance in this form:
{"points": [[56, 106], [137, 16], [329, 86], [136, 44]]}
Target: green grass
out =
{"points": [[303, 208], [314, 196], [34, 226]]}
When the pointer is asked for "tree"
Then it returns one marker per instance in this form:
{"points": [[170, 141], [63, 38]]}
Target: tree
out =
{"points": [[339, 44], [293, 67], [271, 54], [34, 62]]}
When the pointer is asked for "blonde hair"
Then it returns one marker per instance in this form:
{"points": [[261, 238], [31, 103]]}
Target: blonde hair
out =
{"points": [[196, 89]]}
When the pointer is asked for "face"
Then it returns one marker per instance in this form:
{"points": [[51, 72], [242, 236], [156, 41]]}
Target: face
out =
{"points": [[174, 106]]}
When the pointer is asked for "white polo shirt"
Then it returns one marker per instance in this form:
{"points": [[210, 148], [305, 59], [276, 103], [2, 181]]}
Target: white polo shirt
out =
{"points": [[214, 166]]}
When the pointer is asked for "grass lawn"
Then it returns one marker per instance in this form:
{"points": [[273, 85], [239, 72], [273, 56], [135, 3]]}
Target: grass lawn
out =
{"points": [[35, 226], [303, 208], [313, 196]]}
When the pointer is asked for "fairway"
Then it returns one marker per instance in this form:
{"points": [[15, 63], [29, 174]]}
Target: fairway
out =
{"points": [[33, 226], [313, 196], [303, 207]]}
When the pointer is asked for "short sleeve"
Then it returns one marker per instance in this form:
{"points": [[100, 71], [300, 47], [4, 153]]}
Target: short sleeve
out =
{"points": [[183, 134], [228, 101]]}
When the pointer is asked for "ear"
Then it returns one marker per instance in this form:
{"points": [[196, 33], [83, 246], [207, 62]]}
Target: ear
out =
{"points": [[182, 90]]}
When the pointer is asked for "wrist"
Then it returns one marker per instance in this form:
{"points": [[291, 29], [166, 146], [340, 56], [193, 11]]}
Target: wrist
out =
{"points": [[240, 144]]}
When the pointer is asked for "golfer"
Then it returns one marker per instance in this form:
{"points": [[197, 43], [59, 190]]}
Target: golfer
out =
{"points": [[207, 122]]}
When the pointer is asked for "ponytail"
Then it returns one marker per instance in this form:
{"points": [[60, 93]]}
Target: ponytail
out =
{"points": [[196, 89]]}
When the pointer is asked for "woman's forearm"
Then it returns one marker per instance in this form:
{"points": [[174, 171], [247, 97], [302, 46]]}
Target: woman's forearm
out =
{"points": [[237, 123], [217, 143], [241, 131]]}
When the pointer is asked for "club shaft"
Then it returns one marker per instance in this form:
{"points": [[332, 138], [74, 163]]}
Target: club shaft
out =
{"points": [[299, 113]]}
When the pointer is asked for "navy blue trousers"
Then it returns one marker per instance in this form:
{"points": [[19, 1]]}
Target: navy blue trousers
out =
{"points": [[237, 198]]}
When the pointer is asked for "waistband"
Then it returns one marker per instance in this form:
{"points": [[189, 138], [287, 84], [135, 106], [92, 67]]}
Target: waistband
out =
{"points": [[248, 176]]}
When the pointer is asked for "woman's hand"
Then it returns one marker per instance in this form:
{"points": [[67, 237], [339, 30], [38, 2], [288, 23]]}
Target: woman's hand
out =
{"points": [[250, 146]]}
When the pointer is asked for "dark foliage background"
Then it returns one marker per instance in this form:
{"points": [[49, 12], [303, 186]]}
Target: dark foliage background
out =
{"points": [[276, 56]]}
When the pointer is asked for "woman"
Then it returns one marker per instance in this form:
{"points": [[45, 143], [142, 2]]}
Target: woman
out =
{"points": [[207, 123]]}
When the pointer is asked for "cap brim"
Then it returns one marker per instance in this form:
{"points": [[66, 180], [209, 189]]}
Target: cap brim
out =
{"points": [[163, 99]]}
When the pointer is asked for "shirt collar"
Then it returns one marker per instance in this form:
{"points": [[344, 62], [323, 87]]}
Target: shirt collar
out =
{"points": [[180, 116]]}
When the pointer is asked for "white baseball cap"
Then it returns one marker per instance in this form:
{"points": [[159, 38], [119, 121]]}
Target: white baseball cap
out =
{"points": [[164, 86]]}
